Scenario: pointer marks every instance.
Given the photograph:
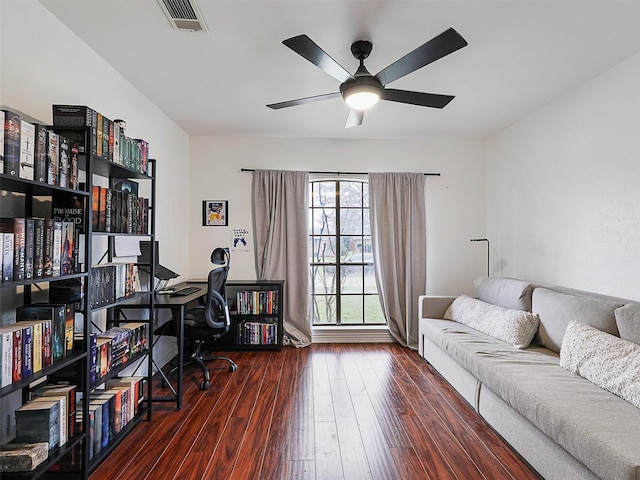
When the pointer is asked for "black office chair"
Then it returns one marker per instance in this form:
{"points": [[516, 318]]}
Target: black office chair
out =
{"points": [[210, 321]]}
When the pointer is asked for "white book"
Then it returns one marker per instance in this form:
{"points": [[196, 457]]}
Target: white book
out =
{"points": [[27, 149], [6, 356]]}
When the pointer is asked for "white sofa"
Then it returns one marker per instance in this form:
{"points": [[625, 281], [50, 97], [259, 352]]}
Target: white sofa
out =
{"points": [[562, 424]]}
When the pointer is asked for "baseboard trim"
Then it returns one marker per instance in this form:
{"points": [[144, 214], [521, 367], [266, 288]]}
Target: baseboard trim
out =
{"points": [[378, 334]]}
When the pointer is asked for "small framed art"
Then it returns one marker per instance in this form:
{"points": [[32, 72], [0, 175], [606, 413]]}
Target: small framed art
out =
{"points": [[215, 213]]}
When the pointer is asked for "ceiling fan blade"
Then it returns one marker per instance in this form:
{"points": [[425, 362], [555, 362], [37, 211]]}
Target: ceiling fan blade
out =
{"points": [[302, 101], [440, 46], [308, 49], [354, 118], [416, 98]]}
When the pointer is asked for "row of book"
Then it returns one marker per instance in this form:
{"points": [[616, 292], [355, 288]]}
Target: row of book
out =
{"points": [[115, 347], [41, 336], [38, 248], [253, 302], [50, 416], [118, 211], [108, 137], [257, 333], [111, 409], [113, 281], [34, 152]]}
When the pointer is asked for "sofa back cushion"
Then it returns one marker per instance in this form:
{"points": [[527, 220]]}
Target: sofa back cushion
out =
{"points": [[628, 322], [505, 292], [557, 309]]}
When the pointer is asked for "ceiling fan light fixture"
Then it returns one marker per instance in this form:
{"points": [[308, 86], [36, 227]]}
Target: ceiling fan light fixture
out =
{"points": [[361, 94]]}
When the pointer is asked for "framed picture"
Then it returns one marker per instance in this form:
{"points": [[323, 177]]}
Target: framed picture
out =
{"points": [[215, 213]]}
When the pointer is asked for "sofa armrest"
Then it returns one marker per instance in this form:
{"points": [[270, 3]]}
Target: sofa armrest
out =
{"points": [[432, 306]]}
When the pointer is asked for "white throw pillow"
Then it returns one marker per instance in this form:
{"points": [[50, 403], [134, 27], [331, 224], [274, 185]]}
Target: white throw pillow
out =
{"points": [[515, 327], [607, 361]]}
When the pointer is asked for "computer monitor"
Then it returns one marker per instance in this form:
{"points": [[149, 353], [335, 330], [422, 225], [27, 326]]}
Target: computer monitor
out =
{"points": [[162, 273]]}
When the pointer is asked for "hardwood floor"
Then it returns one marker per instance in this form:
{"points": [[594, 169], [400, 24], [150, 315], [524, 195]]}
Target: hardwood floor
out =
{"points": [[373, 411]]}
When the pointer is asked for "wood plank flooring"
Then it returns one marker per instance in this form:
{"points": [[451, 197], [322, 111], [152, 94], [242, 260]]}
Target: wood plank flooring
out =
{"points": [[327, 412]]}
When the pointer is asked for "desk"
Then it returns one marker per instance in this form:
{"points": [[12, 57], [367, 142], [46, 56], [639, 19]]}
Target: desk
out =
{"points": [[178, 308]]}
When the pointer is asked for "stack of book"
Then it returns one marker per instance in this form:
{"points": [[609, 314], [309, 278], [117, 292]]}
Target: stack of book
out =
{"points": [[34, 152], [254, 302], [115, 347], [107, 136]]}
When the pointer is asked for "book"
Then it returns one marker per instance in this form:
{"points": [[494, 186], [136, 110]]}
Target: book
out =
{"points": [[38, 247], [64, 162], [27, 349], [98, 139], [22, 457], [53, 157], [68, 391], [57, 247], [95, 428], [95, 208], [103, 433], [38, 422], [41, 337], [16, 226], [6, 344], [11, 143], [69, 207], [49, 233], [102, 213], [105, 138], [28, 248], [27, 150], [7, 256], [41, 150], [74, 172], [66, 249]]}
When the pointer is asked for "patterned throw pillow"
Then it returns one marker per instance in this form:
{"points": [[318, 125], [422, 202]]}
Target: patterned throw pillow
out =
{"points": [[607, 361], [515, 327]]}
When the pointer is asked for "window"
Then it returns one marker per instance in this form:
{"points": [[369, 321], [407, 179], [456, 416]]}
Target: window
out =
{"points": [[343, 285]]}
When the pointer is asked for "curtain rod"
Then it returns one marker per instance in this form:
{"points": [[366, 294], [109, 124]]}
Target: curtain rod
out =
{"points": [[336, 173]]}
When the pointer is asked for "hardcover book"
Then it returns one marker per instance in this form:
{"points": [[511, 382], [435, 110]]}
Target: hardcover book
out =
{"points": [[27, 150], [64, 161], [53, 158], [40, 153], [11, 143], [7, 256], [29, 245], [38, 247]]}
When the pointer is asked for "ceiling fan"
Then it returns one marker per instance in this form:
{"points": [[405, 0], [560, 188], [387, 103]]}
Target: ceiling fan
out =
{"points": [[362, 90]]}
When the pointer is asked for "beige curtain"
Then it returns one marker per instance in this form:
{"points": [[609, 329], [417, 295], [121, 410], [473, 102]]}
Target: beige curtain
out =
{"points": [[398, 238], [280, 218]]}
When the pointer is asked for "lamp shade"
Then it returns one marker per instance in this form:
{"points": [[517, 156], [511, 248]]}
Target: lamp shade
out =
{"points": [[361, 93]]}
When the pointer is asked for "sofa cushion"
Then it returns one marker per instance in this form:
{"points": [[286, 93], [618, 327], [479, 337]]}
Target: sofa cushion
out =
{"points": [[556, 310], [593, 425], [628, 322], [514, 327], [605, 360], [506, 292]]}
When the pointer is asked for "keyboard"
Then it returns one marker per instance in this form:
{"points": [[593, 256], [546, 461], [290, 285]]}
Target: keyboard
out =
{"points": [[183, 292]]}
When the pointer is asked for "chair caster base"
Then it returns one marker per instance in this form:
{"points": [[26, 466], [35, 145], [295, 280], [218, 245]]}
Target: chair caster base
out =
{"points": [[233, 367], [205, 385]]}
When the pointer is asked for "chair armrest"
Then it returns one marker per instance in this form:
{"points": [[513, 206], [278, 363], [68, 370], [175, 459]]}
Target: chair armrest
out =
{"points": [[433, 306]]}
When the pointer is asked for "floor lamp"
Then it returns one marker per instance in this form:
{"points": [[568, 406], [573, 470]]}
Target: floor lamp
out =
{"points": [[488, 250]]}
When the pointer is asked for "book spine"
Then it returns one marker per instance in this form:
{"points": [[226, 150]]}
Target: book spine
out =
{"points": [[27, 150], [66, 248], [29, 246], [74, 172], [16, 374], [47, 344], [40, 154], [2, 117], [27, 350], [6, 374], [49, 239], [53, 157], [38, 247], [11, 143], [105, 138], [7, 256], [18, 248], [63, 161], [57, 247]]}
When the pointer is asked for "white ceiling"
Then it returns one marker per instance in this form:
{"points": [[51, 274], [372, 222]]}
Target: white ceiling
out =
{"points": [[521, 56]]}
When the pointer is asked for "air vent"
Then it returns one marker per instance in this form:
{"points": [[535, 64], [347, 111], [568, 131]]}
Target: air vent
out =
{"points": [[183, 15]]}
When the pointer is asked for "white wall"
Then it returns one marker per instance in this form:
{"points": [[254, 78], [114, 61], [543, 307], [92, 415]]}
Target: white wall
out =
{"points": [[455, 201], [563, 185], [42, 63]]}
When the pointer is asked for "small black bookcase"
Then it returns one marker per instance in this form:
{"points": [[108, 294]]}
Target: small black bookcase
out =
{"points": [[256, 311]]}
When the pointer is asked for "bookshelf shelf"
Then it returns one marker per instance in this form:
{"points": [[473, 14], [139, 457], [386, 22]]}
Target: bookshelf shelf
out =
{"points": [[25, 198]]}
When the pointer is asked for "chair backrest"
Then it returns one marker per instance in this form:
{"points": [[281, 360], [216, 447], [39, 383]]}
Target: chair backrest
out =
{"points": [[216, 309]]}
